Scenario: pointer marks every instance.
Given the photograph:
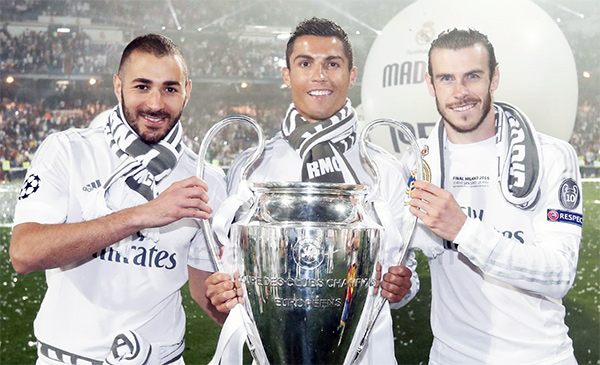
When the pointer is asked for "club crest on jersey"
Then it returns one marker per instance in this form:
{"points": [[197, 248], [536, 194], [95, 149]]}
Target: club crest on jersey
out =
{"points": [[426, 168], [555, 215], [30, 186], [568, 194], [410, 186]]}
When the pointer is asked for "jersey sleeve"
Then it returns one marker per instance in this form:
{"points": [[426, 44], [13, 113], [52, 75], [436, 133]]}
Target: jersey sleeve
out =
{"points": [[44, 195], [547, 265]]}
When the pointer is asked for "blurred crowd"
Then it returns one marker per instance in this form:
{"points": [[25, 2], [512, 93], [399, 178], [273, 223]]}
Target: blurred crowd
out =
{"points": [[24, 126], [227, 49]]}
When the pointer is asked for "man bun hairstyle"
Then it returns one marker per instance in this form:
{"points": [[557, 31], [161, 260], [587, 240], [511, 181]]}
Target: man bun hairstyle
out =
{"points": [[319, 27], [456, 39]]}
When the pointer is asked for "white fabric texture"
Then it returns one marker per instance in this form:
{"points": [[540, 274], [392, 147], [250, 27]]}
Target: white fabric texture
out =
{"points": [[281, 163], [497, 289], [322, 144], [89, 303], [134, 181]]}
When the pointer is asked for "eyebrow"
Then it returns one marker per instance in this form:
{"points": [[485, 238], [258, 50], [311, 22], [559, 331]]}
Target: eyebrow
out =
{"points": [[148, 82], [475, 71], [308, 57]]}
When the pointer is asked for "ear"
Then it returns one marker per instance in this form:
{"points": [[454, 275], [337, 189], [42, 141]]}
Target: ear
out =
{"points": [[188, 92], [353, 74], [430, 86], [118, 87], [285, 74], [495, 79]]}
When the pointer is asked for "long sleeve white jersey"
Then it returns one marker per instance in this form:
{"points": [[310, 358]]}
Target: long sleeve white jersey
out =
{"points": [[497, 289], [88, 303]]}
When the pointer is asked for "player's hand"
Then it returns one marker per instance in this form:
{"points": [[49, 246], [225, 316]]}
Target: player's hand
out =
{"points": [[224, 293], [437, 209], [183, 199], [396, 283]]}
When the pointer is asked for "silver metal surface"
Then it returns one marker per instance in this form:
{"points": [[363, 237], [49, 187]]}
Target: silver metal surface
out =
{"points": [[307, 256]]}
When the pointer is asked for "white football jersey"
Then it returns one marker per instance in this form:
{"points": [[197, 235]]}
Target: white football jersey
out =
{"points": [[497, 289], [281, 163], [90, 302]]}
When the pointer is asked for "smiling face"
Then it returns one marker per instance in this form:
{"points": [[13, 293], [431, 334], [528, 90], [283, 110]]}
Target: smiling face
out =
{"points": [[319, 76], [153, 92], [463, 90]]}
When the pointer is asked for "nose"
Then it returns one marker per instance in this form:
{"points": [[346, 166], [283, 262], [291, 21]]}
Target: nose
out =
{"points": [[320, 73], [154, 100], [460, 90]]}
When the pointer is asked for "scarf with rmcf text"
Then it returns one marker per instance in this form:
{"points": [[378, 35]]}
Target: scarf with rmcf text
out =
{"points": [[322, 144]]}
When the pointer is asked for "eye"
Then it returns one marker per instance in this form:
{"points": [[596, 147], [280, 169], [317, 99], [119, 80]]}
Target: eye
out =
{"points": [[171, 90], [446, 78], [141, 87], [473, 76], [333, 64], [304, 64]]}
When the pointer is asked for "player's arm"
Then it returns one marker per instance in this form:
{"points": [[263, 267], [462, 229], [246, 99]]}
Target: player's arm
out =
{"points": [[223, 292], [546, 266], [198, 280], [37, 246]]}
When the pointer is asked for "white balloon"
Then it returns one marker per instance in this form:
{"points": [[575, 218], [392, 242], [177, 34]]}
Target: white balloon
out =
{"points": [[537, 68]]}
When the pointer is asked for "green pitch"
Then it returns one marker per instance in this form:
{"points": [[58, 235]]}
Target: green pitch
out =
{"points": [[21, 295]]}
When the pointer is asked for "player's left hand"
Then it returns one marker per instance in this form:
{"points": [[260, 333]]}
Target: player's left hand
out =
{"points": [[396, 283]]}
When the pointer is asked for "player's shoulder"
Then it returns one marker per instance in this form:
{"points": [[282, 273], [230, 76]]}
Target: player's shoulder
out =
{"points": [[273, 147], [74, 138], [189, 161], [554, 149]]}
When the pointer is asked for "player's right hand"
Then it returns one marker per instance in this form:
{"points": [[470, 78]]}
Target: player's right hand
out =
{"points": [[224, 293], [183, 199]]}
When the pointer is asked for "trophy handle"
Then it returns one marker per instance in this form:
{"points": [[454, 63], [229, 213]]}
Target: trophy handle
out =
{"points": [[418, 174], [213, 245]]}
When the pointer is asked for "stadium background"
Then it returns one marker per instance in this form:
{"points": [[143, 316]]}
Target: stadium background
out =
{"points": [[57, 58]]}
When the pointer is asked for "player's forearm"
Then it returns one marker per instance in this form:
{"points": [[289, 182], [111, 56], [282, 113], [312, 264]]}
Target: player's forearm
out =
{"points": [[547, 267], [197, 287], [45, 246]]}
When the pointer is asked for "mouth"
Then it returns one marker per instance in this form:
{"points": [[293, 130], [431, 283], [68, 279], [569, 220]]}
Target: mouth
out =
{"points": [[463, 107], [320, 92], [153, 118]]}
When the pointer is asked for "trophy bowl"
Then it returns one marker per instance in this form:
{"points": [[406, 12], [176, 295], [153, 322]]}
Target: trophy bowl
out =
{"points": [[306, 254]]}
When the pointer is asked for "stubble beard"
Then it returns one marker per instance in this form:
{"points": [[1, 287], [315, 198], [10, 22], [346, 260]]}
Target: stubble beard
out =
{"points": [[487, 103], [150, 138]]}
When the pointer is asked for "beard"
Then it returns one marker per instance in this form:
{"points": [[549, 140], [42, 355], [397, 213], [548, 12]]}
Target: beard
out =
{"points": [[150, 136], [486, 108]]}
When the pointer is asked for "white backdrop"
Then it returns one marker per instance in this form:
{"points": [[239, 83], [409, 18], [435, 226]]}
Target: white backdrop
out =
{"points": [[537, 68]]}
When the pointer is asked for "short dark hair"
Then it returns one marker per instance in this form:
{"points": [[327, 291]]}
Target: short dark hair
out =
{"points": [[321, 28], [154, 44], [462, 38]]}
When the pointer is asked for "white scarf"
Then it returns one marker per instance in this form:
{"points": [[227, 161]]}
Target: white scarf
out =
{"points": [[322, 144], [134, 181], [519, 160]]}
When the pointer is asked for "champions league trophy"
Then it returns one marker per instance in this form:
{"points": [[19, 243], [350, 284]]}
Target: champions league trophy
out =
{"points": [[307, 255]]}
